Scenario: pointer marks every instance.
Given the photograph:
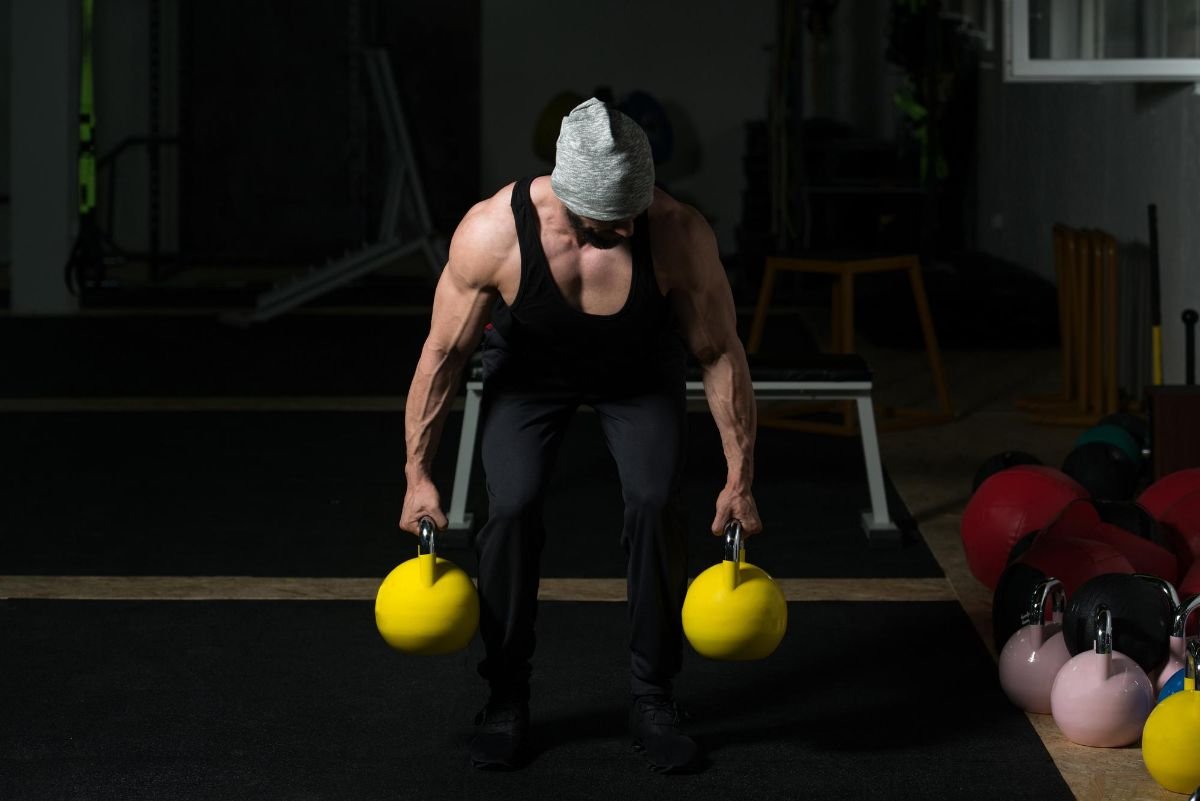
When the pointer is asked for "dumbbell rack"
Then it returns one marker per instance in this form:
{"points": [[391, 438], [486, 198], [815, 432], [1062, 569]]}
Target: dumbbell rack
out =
{"points": [[1086, 264]]}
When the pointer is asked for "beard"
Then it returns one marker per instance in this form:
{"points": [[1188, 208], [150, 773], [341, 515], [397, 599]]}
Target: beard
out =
{"points": [[603, 240]]}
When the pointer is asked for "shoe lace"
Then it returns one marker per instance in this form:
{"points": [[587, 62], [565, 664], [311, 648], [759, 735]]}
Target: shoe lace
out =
{"points": [[659, 710], [500, 713]]}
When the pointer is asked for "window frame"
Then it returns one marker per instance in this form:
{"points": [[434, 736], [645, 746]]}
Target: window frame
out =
{"points": [[1020, 67]]}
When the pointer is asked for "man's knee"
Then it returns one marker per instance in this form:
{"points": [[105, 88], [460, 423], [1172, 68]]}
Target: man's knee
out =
{"points": [[515, 501], [654, 513], [653, 496]]}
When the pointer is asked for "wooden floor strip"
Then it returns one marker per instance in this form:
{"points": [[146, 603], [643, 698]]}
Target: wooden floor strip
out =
{"points": [[405, 310], [186, 588], [249, 588], [867, 589], [349, 403], [399, 310]]}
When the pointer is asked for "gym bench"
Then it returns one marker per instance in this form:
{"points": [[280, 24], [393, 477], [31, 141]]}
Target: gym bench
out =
{"points": [[820, 377]]}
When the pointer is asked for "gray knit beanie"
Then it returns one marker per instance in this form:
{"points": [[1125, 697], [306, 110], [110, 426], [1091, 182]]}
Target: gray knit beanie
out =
{"points": [[603, 168]]}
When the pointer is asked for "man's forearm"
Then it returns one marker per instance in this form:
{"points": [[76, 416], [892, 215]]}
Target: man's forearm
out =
{"points": [[429, 398], [731, 400]]}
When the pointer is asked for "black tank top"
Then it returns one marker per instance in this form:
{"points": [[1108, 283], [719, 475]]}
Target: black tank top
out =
{"points": [[543, 341]]}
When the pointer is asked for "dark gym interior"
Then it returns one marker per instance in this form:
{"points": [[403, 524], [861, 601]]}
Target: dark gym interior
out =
{"points": [[222, 226]]}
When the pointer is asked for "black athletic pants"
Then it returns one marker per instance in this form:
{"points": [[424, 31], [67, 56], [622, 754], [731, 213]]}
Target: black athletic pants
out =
{"points": [[521, 432]]}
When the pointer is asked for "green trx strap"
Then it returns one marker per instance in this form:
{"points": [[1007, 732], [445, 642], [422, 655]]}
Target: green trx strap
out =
{"points": [[86, 262], [87, 119], [919, 116]]}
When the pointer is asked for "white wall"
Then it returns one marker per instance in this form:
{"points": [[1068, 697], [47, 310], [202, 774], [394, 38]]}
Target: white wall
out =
{"points": [[42, 142], [711, 59], [1094, 155]]}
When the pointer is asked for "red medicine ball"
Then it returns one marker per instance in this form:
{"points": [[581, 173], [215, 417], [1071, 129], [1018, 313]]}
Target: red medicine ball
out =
{"points": [[1181, 521], [1081, 520], [1164, 493], [1074, 561], [1189, 585], [1006, 507]]}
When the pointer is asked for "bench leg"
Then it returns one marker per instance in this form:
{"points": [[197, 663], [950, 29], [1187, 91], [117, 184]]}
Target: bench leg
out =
{"points": [[877, 523], [460, 520]]}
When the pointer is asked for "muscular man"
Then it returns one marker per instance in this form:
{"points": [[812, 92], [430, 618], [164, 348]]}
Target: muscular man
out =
{"points": [[595, 282]]}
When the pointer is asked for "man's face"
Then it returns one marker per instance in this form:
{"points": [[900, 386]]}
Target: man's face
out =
{"points": [[602, 234]]}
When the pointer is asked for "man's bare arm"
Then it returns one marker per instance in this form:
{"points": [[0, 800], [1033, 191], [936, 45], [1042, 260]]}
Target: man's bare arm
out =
{"points": [[703, 304], [461, 305]]}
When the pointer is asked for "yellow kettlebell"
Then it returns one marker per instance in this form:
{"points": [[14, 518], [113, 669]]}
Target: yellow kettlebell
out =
{"points": [[1171, 739], [734, 610], [427, 605]]}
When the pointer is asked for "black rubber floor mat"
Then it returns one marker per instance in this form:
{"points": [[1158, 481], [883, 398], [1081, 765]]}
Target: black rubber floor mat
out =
{"points": [[302, 700]]}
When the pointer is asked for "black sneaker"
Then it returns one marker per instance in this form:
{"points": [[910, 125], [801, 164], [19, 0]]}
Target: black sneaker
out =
{"points": [[654, 724], [501, 731]]}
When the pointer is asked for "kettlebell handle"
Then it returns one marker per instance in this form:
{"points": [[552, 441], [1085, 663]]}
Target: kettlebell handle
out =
{"points": [[1167, 587], [1103, 630], [1036, 615], [1179, 629], [733, 553], [733, 541], [427, 547], [1193, 658], [425, 533]]}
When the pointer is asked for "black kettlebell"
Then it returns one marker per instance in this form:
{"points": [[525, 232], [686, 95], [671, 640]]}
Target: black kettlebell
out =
{"points": [[1136, 427], [1142, 615], [1104, 470], [1010, 601], [1001, 461], [1132, 517]]}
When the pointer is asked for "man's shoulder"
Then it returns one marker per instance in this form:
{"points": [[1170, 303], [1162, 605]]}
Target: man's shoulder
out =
{"points": [[682, 242], [674, 217], [489, 219], [494, 206], [486, 237], [678, 229]]}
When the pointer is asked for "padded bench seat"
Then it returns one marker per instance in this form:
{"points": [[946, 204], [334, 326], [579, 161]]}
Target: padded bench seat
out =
{"points": [[824, 376]]}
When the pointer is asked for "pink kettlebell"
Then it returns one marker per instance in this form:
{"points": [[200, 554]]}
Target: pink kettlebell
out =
{"points": [[1177, 661], [1101, 698], [1033, 655]]}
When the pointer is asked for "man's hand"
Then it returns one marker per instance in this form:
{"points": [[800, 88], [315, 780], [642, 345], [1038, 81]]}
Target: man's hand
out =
{"points": [[737, 504], [422, 500]]}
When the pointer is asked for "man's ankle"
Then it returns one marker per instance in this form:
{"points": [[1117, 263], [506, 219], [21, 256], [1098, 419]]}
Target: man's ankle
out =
{"points": [[501, 734], [654, 724]]}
